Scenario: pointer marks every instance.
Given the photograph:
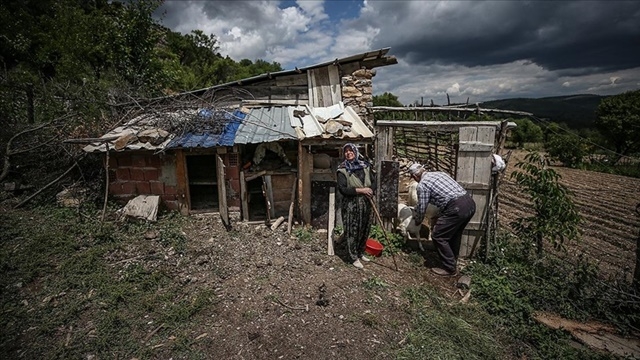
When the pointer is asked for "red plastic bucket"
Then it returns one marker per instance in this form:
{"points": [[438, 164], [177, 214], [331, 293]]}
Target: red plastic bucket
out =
{"points": [[373, 247]]}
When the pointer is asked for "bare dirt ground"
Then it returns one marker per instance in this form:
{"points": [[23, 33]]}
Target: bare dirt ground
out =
{"points": [[279, 297], [607, 204]]}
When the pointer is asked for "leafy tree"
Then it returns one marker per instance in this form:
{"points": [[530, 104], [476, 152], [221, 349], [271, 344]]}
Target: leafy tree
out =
{"points": [[386, 99], [555, 216], [566, 148], [526, 132], [619, 121]]}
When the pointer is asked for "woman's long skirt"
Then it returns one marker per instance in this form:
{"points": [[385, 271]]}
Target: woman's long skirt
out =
{"points": [[356, 220]]}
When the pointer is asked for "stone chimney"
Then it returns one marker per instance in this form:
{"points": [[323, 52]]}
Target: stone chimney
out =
{"points": [[357, 92]]}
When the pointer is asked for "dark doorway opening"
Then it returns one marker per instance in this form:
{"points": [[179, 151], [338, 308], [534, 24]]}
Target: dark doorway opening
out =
{"points": [[257, 201], [203, 182]]}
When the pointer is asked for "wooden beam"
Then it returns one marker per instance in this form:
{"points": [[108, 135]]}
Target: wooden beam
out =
{"points": [[376, 109], [385, 61], [182, 179], [437, 125], [292, 205], [244, 199]]}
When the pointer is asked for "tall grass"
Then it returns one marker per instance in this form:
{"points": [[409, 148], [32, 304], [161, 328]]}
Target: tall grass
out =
{"points": [[67, 295]]}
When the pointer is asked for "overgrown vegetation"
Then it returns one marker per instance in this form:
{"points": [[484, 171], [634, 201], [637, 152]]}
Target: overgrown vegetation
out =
{"points": [[446, 331], [59, 275], [392, 242], [512, 284], [69, 69]]}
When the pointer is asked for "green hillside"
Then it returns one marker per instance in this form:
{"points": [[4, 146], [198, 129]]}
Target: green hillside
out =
{"points": [[577, 111]]}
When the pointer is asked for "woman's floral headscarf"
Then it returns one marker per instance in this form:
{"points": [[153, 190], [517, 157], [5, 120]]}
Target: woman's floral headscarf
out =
{"points": [[354, 164]]}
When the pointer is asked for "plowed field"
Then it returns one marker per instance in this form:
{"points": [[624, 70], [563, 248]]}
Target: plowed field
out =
{"points": [[607, 204]]}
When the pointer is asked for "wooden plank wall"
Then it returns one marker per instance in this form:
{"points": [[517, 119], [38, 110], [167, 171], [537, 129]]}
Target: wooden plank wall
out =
{"points": [[384, 153], [280, 194], [474, 174], [324, 86]]}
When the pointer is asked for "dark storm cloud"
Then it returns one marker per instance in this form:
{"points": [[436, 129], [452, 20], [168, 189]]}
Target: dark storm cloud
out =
{"points": [[554, 34], [250, 12]]}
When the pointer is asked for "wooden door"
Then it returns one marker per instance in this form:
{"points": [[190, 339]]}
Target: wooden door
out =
{"points": [[474, 174]]}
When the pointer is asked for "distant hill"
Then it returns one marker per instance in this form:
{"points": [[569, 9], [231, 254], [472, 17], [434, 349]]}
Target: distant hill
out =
{"points": [[577, 111]]}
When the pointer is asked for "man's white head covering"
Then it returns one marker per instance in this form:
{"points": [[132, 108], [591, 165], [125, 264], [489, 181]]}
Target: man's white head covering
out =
{"points": [[415, 168]]}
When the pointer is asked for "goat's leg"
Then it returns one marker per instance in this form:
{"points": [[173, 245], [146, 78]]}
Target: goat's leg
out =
{"points": [[431, 224]]}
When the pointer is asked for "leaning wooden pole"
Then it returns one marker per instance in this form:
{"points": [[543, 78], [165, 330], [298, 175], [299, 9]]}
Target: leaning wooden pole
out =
{"points": [[106, 186]]}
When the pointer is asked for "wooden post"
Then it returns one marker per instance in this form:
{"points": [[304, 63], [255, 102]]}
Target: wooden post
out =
{"points": [[332, 219], [222, 193], [106, 187], [269, 194], [292, 205], [244, 198], [266, 200]]}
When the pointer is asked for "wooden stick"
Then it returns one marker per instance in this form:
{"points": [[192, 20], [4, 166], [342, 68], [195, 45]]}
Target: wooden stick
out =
{"points": [[306, 308], [148, 337], [332, 202], [255, 176], [277, 223], [106, 186], [375, 209]]}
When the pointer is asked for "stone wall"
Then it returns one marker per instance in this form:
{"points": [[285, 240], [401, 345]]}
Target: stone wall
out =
{"points": [[357, 92]]}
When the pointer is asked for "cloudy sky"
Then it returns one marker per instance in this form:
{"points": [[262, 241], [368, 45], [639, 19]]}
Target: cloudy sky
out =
{"points": [[469, 49]]}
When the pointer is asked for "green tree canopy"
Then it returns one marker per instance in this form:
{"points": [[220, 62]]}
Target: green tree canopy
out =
{"points": [[619, 122], [386, 99], [526, 131], [567, 148]]}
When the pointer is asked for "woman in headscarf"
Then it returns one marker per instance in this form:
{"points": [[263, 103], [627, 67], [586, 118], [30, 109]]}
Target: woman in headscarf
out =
{"points": [[355, 182]]}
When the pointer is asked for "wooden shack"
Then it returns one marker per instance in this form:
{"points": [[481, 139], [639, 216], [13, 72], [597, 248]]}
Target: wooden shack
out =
{"points": [[192, 149]]}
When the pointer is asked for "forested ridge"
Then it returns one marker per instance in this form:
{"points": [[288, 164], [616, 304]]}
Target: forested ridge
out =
{"points": [[576, 111]]}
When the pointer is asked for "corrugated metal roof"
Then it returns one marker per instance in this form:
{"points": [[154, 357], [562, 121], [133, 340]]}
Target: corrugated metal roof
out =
{"points": [[265, 124], [249, 125]]}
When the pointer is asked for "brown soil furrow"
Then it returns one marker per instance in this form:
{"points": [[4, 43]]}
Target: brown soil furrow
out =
{"points": [[607, 205], [597, 220], [618, 209]]}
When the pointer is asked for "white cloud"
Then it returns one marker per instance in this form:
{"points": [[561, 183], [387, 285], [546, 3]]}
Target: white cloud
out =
{"points": [[481, 50]]}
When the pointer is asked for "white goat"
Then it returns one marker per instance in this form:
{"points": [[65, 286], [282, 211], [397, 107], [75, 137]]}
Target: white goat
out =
{"points": [[406, 225]]}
